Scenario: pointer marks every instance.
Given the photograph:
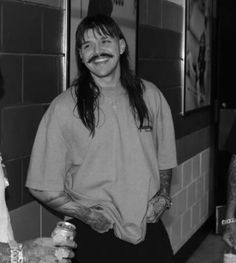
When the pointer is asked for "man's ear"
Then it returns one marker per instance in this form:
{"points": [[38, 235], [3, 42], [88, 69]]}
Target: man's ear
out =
{"points": [[122, 46], [80, 54]]}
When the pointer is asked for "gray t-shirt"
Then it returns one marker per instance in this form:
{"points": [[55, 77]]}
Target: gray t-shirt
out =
{"points": [[118, 168]]}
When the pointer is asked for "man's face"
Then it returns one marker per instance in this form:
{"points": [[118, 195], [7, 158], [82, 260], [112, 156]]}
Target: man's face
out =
{"points": [[101, 53]]}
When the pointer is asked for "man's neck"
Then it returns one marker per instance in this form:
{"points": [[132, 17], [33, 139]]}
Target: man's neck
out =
{"points": [[108, 82]]}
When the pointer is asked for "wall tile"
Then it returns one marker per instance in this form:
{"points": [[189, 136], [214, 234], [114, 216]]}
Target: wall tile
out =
{"points": [[192, 144], [173, 212], [159, 43], [207, 185], [199, 187], [173, 16], [11, 69], [26, 196], [14, 173], [204, 206], [187, 172], [168, 218], [176, 182], [143, 12], [41, 78], [164, 73], [155, 13], [52, 30], [181, 202], [196, 166], [186, 224], [191, 194], [20, 125], [173, 96], [176, 233], [205, 161], [23, 33], [196, 215], [26, 222]]}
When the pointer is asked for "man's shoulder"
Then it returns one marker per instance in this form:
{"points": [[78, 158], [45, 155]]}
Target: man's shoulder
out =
{"points": [[62, 103], [151, 89], [64, 99]]}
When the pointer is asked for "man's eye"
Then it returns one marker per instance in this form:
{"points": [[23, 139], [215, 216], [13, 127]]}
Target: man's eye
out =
{"points": [[86, 46], [105, 41]]}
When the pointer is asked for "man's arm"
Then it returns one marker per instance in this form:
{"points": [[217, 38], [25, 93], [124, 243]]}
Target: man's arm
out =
{"points": [[165, 181], [61, 202], [161, 201], [39, 250], [5, 253], [229, 235], [231, 192]]}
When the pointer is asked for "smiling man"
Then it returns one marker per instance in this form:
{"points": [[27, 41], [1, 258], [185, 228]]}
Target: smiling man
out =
{"points": [[104, 153]]}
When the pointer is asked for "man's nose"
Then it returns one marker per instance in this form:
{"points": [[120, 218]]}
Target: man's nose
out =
{"points": [[97, 48]]}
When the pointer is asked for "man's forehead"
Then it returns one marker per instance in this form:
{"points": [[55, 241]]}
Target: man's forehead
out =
{"points": [[95, 33]]}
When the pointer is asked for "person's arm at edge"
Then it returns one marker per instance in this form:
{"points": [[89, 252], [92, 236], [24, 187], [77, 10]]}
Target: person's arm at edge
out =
{"points": [[62, 203], [231, 192], [5, 253]]}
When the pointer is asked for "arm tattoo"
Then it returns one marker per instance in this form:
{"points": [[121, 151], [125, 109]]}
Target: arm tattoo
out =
{"points": [[63, 204], [5, 253], [232, 180], [165, 180]]}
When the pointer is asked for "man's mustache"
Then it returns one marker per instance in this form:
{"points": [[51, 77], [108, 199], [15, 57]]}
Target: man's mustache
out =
{"points": [[102, 55]]}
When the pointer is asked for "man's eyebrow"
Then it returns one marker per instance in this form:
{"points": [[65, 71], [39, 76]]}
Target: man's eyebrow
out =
{"points": [[84, 42]]}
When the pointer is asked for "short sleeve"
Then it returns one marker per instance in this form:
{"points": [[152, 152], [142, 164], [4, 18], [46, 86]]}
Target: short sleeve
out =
{"points": [[48, 158], [165, 134]]}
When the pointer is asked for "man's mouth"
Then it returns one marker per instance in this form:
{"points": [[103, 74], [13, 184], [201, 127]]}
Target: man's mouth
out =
{"points": [[100, 58]]}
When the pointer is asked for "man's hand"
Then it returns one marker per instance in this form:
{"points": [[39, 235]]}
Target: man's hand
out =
{"points": [[98, 221], [156, 207], [229, 235], [45, 250]]}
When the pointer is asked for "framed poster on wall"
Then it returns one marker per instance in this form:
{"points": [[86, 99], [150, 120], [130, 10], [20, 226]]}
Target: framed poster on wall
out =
{"points": [[124, 12], [198, 49]]}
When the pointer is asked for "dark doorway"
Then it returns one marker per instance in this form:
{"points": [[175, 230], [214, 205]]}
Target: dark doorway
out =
{"points": [[225, 79]]}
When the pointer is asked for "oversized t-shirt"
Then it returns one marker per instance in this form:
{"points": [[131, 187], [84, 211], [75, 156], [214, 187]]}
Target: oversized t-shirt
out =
{"points": [[118, 168]]}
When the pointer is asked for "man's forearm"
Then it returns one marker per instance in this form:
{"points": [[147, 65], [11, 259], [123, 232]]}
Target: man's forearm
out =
{"points": [[165, 181], [231, 202], [61, 202]]}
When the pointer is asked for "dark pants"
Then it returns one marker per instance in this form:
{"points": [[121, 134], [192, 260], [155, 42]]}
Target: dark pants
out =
{"points": [[106, 248]]}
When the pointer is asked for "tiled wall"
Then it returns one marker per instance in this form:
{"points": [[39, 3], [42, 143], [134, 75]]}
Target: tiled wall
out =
{"points": [[160, 49], [192, 196], [32, 65]]}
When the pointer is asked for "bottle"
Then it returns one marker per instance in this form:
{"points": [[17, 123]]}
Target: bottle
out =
{"points": [[229, 255], [63, 231]]}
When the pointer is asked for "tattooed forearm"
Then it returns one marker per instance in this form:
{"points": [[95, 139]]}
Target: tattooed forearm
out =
{"points": [[232, 180], [165, 180], [61, 202], [66, 206], [5, 253]]}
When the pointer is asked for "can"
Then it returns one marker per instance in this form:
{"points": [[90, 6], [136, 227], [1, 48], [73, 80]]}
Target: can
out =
{"points": [[63, 231]]}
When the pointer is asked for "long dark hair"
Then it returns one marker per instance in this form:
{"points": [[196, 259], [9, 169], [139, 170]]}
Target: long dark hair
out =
{"points": [[87, 92]]}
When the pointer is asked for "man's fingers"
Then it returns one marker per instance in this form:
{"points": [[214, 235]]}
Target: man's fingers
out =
{"points": [[66, 243], [227, 238]]}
